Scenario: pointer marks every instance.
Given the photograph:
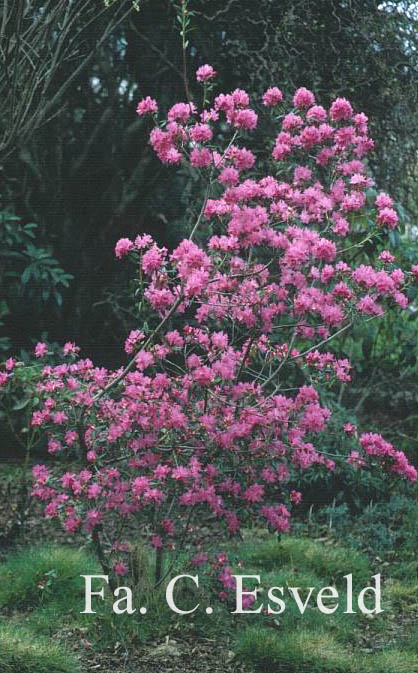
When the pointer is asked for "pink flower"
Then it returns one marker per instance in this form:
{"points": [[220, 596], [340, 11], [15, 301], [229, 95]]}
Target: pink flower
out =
{"points": [[59, 418], [272, 96], [40, 473], [219, 340], [70, 437], [153, 259], [200, 158], [94, 518], [168, 527], [199, 559], [201, 133], [303, 98], [247, 601], [355, 460], [53, 446], [243, 119], [361, 121], [387, 257], [229, 176], [224, 102], [164, 146], [349, 428], [72, 524], [134, 338], [317, 113], [196, 283], [242, 158], [93, 491], [360, 180], [120, 568], [291, 121], [156, 542], [209, 116], [204, 73], [240, 98], [388, 217], [226, 578], [325, 250], [143, 241], [144, 359], [340, 110], [282, 146], [70, 348], [146, 106], [254, 493], [10, 364], [384, 201], [368, 306], [310, 136], [181, 112], [41, 350], [174, 338], [3, 378], [123, 247]]}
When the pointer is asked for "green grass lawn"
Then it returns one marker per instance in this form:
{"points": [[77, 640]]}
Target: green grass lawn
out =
{"points": [[318, 643]]}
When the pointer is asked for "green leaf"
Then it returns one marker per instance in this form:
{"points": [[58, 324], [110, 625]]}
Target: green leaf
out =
{"points": [[22, 404], [27, 273], [11, 254], [50, 261], [394, 238], [4, 309]]}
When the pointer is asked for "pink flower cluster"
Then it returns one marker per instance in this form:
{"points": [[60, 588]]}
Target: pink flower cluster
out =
{"points": [[373, 445], [204, 73], [200, 420]]}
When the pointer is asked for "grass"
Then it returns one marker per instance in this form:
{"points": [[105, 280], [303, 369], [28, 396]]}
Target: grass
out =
{"points": [[308, 651], [44, 584], [403, 595], [391, 661], [21, 652], [301, 553], [314, 642], [410, 641], [34, 576], [304, 563], [304, 651]]}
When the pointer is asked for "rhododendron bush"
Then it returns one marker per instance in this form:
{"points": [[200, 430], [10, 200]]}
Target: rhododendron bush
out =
{"points": [[202, 427]]}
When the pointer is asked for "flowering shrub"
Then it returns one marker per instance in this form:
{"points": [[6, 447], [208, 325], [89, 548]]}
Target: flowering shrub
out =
{"points": [[222, 583], [201, 426]]}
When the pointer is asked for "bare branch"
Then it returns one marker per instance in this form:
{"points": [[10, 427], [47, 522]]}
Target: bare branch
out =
{"points": [[44, 47]]}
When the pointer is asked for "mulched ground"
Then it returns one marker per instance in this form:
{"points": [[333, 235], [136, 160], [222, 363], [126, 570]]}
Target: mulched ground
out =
{"points": [[168, 656]]}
